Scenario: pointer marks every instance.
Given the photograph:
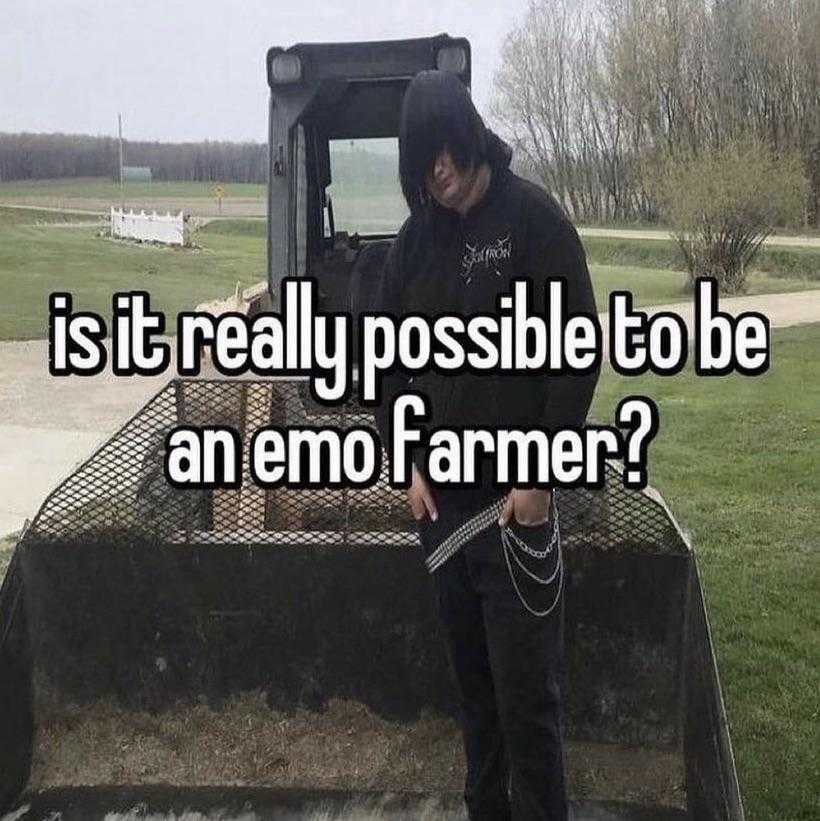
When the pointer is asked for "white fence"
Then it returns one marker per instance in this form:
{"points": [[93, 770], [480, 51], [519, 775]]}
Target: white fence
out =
{"points": [[168, 228]]}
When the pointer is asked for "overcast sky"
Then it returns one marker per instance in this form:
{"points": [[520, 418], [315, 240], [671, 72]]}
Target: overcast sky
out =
{"points": [[195, 70]]}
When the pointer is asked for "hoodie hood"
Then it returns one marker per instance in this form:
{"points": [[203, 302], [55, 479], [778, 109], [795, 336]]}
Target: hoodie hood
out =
{"points": [[500, 152]]}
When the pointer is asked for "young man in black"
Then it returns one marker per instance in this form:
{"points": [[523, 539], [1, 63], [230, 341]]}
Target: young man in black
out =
{"points": [[474, 226]]}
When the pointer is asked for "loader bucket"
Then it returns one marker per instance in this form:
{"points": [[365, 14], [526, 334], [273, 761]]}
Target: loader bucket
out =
{"points": [[246, 654]]}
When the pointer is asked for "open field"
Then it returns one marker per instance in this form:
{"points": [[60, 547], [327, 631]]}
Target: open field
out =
{"points": [[656, 286], [98, 187], [373, 211], [736, 458], [793, 263], [356, 208], [36, 216], [36, 260], [93, 194]]}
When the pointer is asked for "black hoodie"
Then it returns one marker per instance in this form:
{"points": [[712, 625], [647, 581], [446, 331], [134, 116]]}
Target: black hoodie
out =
{"points": [[442, 262]]}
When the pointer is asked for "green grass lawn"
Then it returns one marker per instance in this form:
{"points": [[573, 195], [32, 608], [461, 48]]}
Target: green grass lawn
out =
{"points": [[34, 216], [655, 286], [35, 261], [651, 285], [737, 459], [793, 263]]}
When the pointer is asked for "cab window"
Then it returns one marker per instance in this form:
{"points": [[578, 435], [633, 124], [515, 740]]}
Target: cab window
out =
{"points": [[365, 188]]}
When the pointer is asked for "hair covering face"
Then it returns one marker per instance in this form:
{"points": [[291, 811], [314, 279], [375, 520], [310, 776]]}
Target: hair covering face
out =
{"points": [[437, 113]]}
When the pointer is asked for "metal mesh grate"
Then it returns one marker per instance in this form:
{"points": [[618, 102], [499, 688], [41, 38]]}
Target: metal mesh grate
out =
{"points": [[122, 486]]}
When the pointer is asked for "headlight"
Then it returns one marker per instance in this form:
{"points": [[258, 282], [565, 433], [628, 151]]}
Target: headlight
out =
{"points": [[286, 68], [452, 58]]}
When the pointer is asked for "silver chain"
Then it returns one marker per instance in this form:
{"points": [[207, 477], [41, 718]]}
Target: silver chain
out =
{"points": [[538, 554], [555, 541], [559, 571], [534, 576], [509, 540]]}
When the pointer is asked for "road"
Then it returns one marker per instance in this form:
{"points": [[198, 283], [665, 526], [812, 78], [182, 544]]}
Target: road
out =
{"points": [[628, 233], [49, 424]]}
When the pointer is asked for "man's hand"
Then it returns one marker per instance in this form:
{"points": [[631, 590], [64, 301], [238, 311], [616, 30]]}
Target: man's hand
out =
{"points": [[420, 498], [527, 507]]}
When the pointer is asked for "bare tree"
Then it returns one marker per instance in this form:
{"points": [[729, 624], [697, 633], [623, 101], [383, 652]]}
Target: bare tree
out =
{"points": [[598, 95], [538, 93]]}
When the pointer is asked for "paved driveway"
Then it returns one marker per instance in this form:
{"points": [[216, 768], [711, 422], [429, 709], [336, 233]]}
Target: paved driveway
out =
{"points": [[647, 233], [49, 425]]}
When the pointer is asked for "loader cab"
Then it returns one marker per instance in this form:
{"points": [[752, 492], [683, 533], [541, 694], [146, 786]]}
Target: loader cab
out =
{"points": [[334, 199]]}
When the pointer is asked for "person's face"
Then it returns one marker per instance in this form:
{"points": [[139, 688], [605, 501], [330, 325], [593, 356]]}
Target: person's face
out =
{"points": [[446, 183]]}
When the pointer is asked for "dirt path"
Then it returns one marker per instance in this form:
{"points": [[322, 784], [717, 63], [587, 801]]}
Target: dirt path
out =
{"points": [[782, 310], [49, 425], [628, 233]]}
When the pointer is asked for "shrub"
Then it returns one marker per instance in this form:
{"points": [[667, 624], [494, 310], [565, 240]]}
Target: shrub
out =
{"points": [[723, 203]]}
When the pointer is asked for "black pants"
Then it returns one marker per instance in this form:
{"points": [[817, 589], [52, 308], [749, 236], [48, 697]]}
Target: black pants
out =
{"points": [[508, 666]]}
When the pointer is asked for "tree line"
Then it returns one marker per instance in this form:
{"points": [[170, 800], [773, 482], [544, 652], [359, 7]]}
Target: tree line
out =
{"points": [[596, 94], [48, 156], [54, 156]]}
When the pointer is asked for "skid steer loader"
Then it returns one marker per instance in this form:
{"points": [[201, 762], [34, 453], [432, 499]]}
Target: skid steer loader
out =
{"points": [[245, 654]]}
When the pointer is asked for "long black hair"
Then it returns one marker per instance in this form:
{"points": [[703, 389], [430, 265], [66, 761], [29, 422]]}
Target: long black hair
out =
{"points": [[437, 112]]}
